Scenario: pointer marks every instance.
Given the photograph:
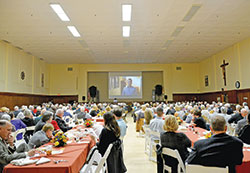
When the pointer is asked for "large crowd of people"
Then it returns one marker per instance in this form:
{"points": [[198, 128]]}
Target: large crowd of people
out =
{"points": [[50, 118]]}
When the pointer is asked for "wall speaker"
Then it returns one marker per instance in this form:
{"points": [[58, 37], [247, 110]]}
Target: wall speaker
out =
{"points": [[92, 91], [165, 97], [83, 98], [158, 90]]}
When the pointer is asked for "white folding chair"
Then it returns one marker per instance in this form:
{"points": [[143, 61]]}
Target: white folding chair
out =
{"points": [[231, 129], [152, 144], [96, 157], [18, 142], [147, 139], [175, 154], [204, 169], [29, 129]]}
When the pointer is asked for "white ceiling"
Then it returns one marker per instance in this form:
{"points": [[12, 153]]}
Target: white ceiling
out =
{"points": [[33, 26]]}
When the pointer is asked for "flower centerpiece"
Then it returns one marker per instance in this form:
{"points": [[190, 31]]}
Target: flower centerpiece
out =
{"points": [[179, 120], [88, 123], [208, 135], [60, 139]]}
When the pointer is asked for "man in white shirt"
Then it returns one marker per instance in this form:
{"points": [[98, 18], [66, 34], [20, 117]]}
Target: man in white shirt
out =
{"points": [[157, 123]]}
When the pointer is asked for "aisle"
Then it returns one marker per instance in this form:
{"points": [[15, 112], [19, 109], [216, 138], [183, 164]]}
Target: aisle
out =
{"points": [[135, 158]]}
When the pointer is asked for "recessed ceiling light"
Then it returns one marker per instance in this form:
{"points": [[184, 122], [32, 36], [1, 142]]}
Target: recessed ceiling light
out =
{"points": [[59, 11], [126, 31], [74, 31], [126, 12], [191, 12], [177, 31]]}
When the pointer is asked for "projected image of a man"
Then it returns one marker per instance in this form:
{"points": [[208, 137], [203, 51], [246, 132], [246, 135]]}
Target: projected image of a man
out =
{"points": [[129, 90]]}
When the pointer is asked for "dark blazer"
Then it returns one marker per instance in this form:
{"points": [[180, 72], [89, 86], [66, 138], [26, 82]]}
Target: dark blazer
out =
{"points": [[61, 123], [173, 140], [244, 134], [106, 137], [235, 118], [28, 121], [220, 150], [200, 122], [39, 126]]}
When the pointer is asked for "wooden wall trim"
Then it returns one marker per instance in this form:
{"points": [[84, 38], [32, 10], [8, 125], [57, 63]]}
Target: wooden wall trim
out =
{"points": [[10, 100]]}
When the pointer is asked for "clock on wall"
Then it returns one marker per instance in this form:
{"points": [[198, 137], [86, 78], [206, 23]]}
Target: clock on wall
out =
{"points": [[237, 84], [22, 75]]}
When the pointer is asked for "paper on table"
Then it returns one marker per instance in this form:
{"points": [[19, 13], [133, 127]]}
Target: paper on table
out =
{"points": [[42, 160], [57, 152], [203, 137], [83, 142], [25, 161]]}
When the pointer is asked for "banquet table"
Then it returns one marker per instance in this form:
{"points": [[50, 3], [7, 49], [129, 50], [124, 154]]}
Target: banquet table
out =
{"points": [[198, 133], [74, 153]]}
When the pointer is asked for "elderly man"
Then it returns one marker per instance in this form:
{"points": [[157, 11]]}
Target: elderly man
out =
{"points": [[157, 123], [41, 137], [7, 145], [47, 118], [236, 117], [61, 123], [242, 122], [220, 150]]}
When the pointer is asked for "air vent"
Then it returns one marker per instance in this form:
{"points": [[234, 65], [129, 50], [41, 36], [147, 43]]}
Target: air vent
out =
{"points": [[178, 68], [70, 68]]}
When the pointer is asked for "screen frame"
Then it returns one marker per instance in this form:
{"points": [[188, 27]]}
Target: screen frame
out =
{"points": [[125, 73]]}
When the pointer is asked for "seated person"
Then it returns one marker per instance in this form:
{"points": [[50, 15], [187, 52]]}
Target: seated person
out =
{"points": [[241, 123], [46, 118], [61, 123], [28, 118], [220, 150], [18, 125], [172, 139], [198, 120], [244, 134], [41, 137], [157, 123], [6, 141]]}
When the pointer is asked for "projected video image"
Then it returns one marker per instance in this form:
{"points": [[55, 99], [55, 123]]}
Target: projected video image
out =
{"points": [[125, 86]]}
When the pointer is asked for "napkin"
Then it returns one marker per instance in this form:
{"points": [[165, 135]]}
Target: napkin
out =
{"points": [[42, 160], [246, 145], [25, 161]]}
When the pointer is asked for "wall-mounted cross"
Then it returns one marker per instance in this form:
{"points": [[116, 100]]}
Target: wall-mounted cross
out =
{"points": [[223, 66]]}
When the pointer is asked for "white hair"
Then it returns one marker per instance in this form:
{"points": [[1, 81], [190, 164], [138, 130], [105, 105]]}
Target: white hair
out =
{"points": [[5, 117], [59, 111], [16, 108]]}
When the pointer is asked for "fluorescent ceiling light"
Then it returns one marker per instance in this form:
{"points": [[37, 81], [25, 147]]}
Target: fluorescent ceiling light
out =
{"points": [[74, 31], [59, 11], [191, 12], [168, 43], [126, 12], [177, 31], [126, 31]]}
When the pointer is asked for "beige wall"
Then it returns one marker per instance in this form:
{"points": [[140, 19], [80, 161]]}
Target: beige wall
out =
{"points": [[238, 57], [149, 80], [12, 62], [63, 82], [60, 81]]}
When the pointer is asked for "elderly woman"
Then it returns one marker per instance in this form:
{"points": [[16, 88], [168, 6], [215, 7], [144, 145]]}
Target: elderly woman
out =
{"points": [[172, 139], [140, 119], [18, 125], [41, 137]]}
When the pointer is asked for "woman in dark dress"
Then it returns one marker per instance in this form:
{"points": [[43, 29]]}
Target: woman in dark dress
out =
{"points": [[111, 134], [172, 139]]}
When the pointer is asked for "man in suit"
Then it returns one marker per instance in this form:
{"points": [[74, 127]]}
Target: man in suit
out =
{"points": [[7, 145], [61, 123], [41, 137], [220, 150], [242, 122]]}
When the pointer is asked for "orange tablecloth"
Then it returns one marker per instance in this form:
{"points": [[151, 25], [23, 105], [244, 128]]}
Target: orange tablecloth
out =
{"points": [[243, 168], [74, 153]]}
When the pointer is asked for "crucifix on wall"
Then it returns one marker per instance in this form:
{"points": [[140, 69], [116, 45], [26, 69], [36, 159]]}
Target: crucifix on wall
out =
{"points": [[223, 66]]}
